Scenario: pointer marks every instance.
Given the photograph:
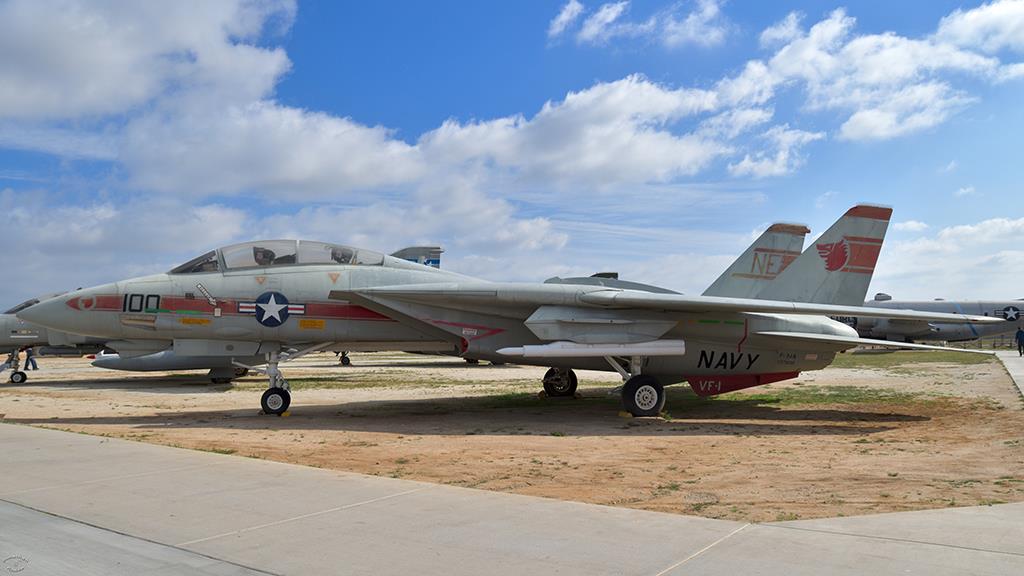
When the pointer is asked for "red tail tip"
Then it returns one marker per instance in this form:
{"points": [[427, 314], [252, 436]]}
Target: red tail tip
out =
{"points": [[869, 211]]}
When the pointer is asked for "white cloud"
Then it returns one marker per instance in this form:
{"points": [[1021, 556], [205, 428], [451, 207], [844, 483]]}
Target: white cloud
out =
{"points": [[889, 85], [910, 109], [990, 27], [263, 146], [732, 123], [599, 27], [965, 191], [825, 199], [61, 246], [783, 31], [953, 165], [910, 226], [784, 159], [705, 26], [953, 259], [611, 133], [565, 18], [62, 142], [89, 59]]}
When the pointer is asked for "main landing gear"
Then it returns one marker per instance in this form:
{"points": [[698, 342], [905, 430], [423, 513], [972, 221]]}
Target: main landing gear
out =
{"points": [[277, 398], [560, 382], [642, 395]]}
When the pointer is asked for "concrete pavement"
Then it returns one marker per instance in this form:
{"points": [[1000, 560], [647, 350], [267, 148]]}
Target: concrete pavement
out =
{"points": [[1014, 366], [163, 510]]}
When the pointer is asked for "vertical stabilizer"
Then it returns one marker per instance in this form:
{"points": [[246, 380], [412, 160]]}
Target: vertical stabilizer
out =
{"points": [[765, 259], [837, 267]]}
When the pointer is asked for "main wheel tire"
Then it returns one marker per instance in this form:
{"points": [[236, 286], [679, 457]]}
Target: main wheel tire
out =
{"points": [[221, 380], [473, 361], [241, 372], [346, 361], [560, 382], [643, 396], [275, 401], [18, 377]]}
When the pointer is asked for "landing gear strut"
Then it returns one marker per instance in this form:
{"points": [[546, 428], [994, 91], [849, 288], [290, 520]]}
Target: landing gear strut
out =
{"points": [[642, 395], [560, 382], [13, 363], [276, 399]]}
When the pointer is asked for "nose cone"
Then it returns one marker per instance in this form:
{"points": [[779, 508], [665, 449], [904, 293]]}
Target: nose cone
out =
{"points": [[78, 312], [49, 313]]}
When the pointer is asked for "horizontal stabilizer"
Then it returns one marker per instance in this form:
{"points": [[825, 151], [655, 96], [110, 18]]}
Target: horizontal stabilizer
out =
{"points": [[574, 350], [632, 299], [851, 342]]}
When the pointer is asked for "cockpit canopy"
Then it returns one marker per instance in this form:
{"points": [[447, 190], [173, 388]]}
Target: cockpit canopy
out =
{"points": [[22, 306], [32, 302], [267, 253]]}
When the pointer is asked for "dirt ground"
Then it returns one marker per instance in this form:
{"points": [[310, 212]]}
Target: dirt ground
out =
{"points": [[875, 433]]}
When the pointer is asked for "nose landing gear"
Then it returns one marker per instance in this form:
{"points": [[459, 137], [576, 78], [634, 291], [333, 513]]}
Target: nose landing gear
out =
{"points": [[13, 363], [277, 398]]}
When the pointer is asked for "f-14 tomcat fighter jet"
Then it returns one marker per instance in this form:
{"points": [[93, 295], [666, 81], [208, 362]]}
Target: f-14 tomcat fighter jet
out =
{"points": [[260, 298]]}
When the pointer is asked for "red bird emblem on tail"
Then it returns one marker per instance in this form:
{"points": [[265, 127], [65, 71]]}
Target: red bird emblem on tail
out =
{"points": [[835, 254]]}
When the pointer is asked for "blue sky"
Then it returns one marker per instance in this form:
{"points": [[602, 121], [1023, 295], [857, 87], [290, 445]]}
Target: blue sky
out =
{"points": [[652, 138]]}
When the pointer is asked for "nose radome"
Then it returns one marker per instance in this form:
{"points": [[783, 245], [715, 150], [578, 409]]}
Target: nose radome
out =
{"points": [[49, 313], [68, 312]]}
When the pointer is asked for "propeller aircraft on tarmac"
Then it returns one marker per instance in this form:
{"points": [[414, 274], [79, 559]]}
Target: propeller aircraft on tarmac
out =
{"points": [[1011, 311], [264, 298]]}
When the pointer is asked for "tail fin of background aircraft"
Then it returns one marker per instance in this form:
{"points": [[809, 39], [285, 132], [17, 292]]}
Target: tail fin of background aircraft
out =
{"points": [[426, 255], [765, 259], [837, 267]]}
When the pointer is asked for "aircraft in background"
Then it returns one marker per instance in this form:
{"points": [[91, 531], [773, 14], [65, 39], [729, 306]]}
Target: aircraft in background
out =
{"points": [[264, 298], [16, 335], [1010, 311]]}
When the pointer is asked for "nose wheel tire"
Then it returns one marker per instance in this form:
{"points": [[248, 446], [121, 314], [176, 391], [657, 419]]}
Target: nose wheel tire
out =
{"points": [[346, 361], [18, 377], [643, 396], [275, 401], [560, 382]]}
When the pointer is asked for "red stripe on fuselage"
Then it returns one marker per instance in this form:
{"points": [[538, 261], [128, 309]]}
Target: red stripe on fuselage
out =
{"points": [[229, 307]]}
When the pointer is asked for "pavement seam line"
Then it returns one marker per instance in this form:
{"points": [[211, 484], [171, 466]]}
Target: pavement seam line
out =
{"points": [[893, 539], [140, 538], [301, 517], [702, 550]]}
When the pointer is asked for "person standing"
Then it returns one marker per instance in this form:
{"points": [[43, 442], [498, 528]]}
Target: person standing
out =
{"points": [[1020, 341], [30, 359]]}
